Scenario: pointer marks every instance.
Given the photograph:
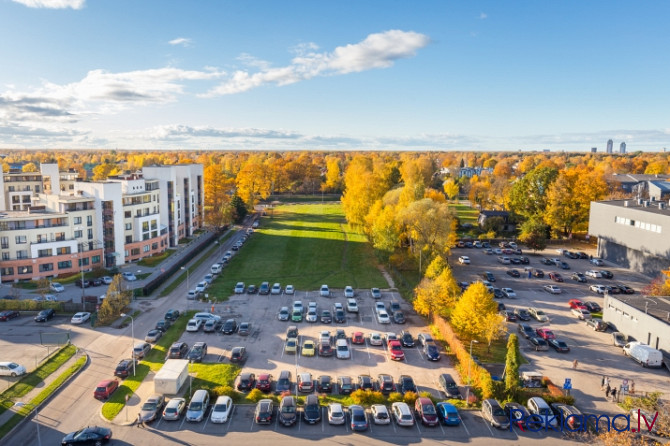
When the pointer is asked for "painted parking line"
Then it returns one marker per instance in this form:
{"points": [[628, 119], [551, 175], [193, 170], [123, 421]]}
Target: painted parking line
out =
{"points": [[370, 420], [183, 420], [416, 423], [367, 349], [419, 351], [252, 423], [230, 418], [323, 419], [441, 428], [464, 426]]}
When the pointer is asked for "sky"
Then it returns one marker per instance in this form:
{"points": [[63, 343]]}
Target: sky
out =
{"points": [[334, 75]]}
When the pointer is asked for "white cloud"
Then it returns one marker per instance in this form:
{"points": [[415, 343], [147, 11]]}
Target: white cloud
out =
{"points": [[52, 4], [379, 50], [483, 16], [182, 41]]}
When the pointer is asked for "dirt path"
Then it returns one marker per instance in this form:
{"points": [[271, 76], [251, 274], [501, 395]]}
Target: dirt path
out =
{"points": [[387, 276]]}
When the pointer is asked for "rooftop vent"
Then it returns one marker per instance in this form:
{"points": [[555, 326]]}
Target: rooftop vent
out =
{"points": [[625, 204]]}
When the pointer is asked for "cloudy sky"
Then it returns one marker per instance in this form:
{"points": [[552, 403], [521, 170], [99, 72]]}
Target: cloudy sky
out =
{"points": [[334, 75]]}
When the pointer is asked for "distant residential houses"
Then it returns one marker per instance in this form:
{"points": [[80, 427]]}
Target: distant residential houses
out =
{"points": [[508, 225], [467, 172], [654, 187]]}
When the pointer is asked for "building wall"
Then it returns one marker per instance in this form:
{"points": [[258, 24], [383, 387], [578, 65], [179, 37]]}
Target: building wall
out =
{"points": [[636, 323]]}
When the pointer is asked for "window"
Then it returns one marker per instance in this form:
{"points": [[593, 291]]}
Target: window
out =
{"points": [[125, 253], [20, 239], [4, 241], [129, 238], [129, 226], [146, 248], [22, 254], [90, 234], [145, 226], [89, 220], [63, 250], [95, 259], [7, 271], [77, 220], [154, 246], [127, 214], [24, 269], [67, 264], [44, 253], [5, 256], [135, 252], [78, 234], [83, 262], [46, 267]]}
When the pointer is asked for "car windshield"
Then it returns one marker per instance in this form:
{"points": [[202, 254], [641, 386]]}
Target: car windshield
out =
{"points": [[336, 414], [382, 415], [358, 416], [428, 409], [342, 348], [498, 412], [539, 312], [195, 406], [100, 389], [220, 407], [406, 416], [149, 406], [288, 409]]}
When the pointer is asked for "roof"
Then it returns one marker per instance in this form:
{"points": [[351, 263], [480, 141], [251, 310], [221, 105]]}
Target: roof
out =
{"points": [[655, 306], [653, 206]]}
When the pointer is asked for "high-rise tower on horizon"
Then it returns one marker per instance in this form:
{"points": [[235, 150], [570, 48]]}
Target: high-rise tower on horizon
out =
{"points": [[622, 148], [610, 146]]}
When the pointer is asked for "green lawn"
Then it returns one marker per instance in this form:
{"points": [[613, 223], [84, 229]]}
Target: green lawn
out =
{"points": [[465, 214], [306, 246]]}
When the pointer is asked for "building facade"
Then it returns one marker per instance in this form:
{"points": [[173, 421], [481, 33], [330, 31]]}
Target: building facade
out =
{"points": [[633, 233], [58, 225], [622, 147], [610, 146]]}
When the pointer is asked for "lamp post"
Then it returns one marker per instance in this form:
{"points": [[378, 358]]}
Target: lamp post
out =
{"points": [[188, 286], [467, 392], [132, 331]]}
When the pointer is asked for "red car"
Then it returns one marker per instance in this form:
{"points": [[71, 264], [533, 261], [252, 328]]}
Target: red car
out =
{"points": [[9, 314], [264, 382], [545, 333], [395, 349], [425, 411], [358, 338], [106, 388], [576, 303], [555, 277]]}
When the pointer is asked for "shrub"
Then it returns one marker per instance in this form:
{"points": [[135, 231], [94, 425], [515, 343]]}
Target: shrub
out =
{"points": [[227, 391], [255, 396], [410, 398], [428, 395], [395, 397], [367, 397]]}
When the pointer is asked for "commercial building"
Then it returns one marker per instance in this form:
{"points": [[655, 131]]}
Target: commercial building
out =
{"points": [[53, 224], [645, 319], [610, 146], [633, 233], [622, 147]]}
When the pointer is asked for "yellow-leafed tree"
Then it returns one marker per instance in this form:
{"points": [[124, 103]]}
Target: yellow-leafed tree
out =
{"points": [[471, 311]]}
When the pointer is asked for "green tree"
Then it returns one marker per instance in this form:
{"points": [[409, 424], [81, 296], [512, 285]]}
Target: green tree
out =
{"points": [[239, 209], [528, 196], [534, 234], [472, 310], [427, 225], [512, 363]]}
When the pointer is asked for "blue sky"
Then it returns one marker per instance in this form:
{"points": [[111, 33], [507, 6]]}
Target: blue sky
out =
{"points": [[334, 75]]}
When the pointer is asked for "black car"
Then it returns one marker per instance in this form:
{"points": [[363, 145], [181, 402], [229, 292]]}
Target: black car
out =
{"points": [[431, 351], [593, 307], [340, 317], [96, 282], [45, 315], [284, 382], [345, 385], [325, 349], [559, 345], [546, 261], [564, 265], [538, 344], [513, 273], [497, 293], [251, 289], [625, 289], [324, 384], [406, 384], [230, 326], [89, 435], [524, 260], [399, 317], [8, 314], [124, 368], [406, 339], [326, 317], [172, 315], [606, 274], [365, 382], [508, 315], [489, 276], [82, 283], [449, 386], [582, 255], [526, 330], [197, 352], [247, 382], [538, 273], [178, 350], [386, 384], [515, 261], [264, 410], [312, 410], [163, 325], [522, 314], [238, 354]]}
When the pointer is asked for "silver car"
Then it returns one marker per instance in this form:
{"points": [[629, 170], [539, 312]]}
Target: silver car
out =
{"points": [[336, 414], [173, 409], [151, 408]]}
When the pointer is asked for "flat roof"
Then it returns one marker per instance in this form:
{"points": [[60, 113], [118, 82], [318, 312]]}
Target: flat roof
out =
{"points": [[656, 306], [632, 204]]}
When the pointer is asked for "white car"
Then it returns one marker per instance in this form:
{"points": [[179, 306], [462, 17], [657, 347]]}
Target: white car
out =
{"points": [[600, 289], [297, 306], [276, 289], [311, 315], [597, 262], [581, 313], [130, 277], [324, 336], [289, 289], [342, 349], [209, 278], [11, 369], [352, 305], [336, 414], [383, 317], [538, 314], [222, 409], [508, 293], [380, 306], [324, 291], [201, 287], [593, 273], [193, 325], [106, 280], [80, 318], [348, 291], [497, 251], [553, 289], [402, 414], [380, 414], [464, 260], [56, 287], [376, 339], [239, 288]]}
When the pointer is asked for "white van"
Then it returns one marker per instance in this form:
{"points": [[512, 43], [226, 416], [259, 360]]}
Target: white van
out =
{"points": [[216, 268], [644, 354], [198, 406]]}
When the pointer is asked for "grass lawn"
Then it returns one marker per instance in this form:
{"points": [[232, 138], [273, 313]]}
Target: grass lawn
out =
{"points": [[210, 376], [304, 198], [306, 246], [466, 214]]}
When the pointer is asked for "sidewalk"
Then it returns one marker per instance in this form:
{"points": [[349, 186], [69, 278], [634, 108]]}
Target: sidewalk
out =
{"points": [[25, 399]]}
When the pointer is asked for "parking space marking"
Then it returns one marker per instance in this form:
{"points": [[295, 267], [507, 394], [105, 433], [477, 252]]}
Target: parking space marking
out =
{"points": [[367, 349], [420, 354], [252, 423], [370, 421], [204, 426], [323, 419], [441, 428], [464, 426], [230, 418], [416, 423], [394, 428]]}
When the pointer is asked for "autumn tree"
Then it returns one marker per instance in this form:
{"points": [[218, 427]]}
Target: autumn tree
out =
{"points": [[428, 225], [528, 195], [333, 181], [451, 189], [253, 181], [362, 188], [494, 326], [238, 209], [29, 167], [534, 234], [438, 291], [383, 228], [218, 190], [117, 298], [472, 310], [512, 364]]}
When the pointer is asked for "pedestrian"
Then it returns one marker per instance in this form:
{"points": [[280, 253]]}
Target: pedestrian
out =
{"points": [[614, 394], [607, 381], [632, 386], [140, 421], [602, 383], [608, 389], [574, 364]]}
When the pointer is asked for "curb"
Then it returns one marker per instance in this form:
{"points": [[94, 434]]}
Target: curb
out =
{"points": [[31, 415]]}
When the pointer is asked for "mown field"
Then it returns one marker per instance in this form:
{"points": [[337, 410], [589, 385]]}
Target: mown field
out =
{"points": [[306, 246]]}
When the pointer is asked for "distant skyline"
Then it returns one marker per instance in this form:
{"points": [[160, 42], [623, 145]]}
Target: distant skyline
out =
{"points": [[334, 75]]}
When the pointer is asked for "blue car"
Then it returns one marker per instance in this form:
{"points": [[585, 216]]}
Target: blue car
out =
{"points": [[448, 414], [358, 418]]}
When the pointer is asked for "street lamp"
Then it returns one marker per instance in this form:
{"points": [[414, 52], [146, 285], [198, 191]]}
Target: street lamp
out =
{"points": [[188, 286], [132, 331], [467, 392]]}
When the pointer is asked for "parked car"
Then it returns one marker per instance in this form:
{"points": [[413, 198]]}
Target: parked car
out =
{"points": [[538, 344], [517, 414], [312, 410], [448, 414], [558, 345], [153, 336], [45, 315], [464, 260], [526, 330], [276, 289], [556, 277], [431, 351], [239, 288], [538, 273], [246, 382], [426, 412], [402, 414], [264, 410], [129, 276], [538, 406], [553, 289], [386, 383], [89, 435], [376, 293], [197, 352], [163, 325], [406, 384], [11, 369], [151, 408], [579, 277], [230, 327], [124, 368], [581, 313], [513, 273], [597, 324], [625, 289], [283, 314], [105, 388], [288, 411], [56, 287], [395, 350], [522, 314], [78, 318], [222, 409], [606, 274], [324, 291], [597, 262], [508, 293], [178, 350], [380, 414], [174, 408], [336, 414], [494, 414], [538, 315], [545, 333], [345, 385], [358, 420], [141, 349], [238, 354]]}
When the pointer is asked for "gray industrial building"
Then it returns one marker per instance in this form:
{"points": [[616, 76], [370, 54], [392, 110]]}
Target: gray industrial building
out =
{"points": [[634, 234], [643, 318]]}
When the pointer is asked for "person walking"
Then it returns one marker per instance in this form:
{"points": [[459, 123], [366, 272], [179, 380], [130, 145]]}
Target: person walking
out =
{"points": [[607, 381], [602, 383], [632, 386], [614, 394], [140, 421], [575, 363], [608, 389]]}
